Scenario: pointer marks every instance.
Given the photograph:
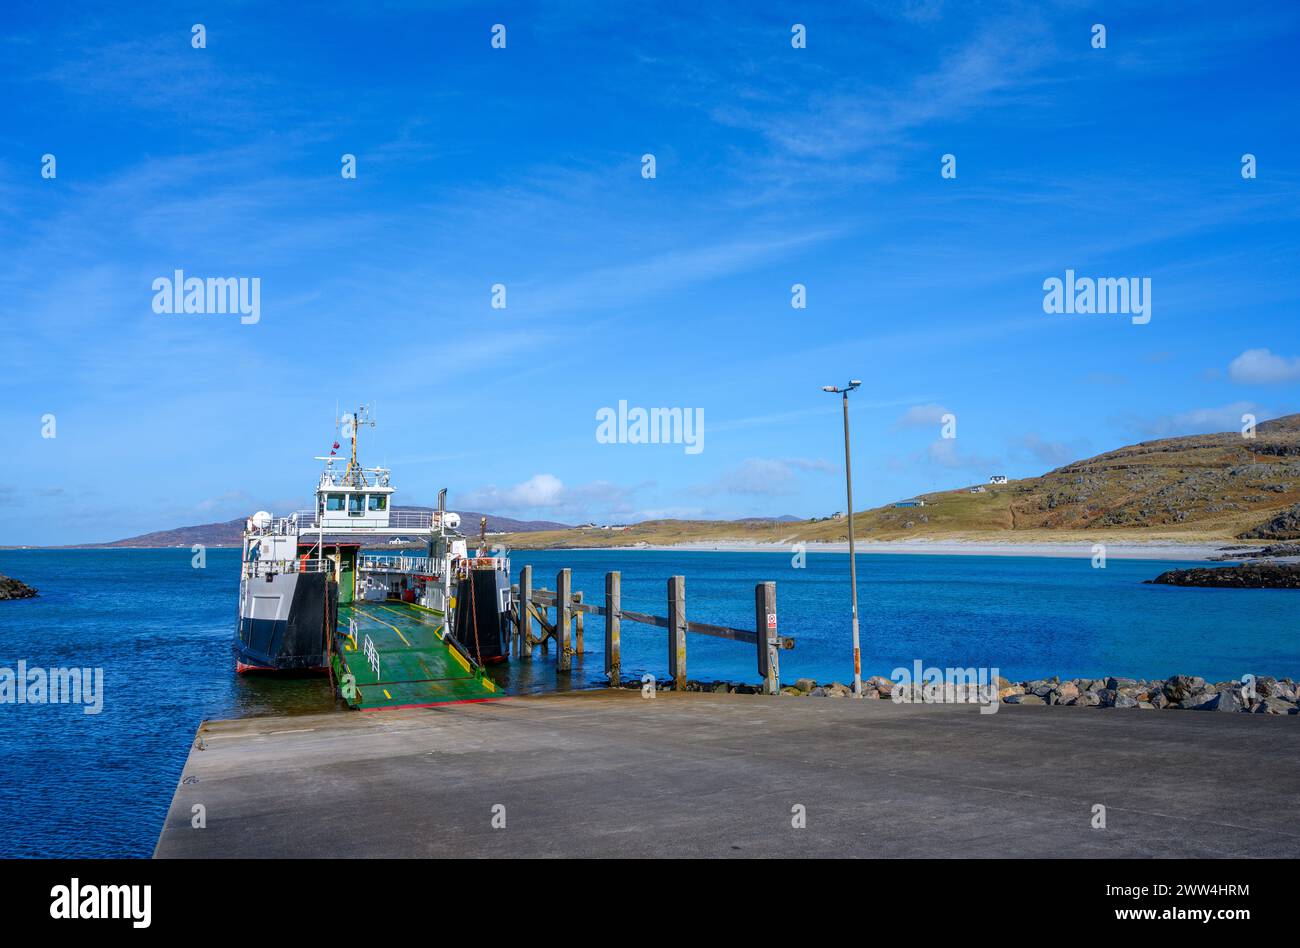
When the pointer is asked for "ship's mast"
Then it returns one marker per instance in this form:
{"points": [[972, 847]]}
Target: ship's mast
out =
{"points": [[354, 477]]}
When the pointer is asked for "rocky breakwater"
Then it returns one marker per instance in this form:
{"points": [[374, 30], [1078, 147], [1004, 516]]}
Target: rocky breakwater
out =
{"points": [[1245, 576], [1262, 695], [13, 589]]}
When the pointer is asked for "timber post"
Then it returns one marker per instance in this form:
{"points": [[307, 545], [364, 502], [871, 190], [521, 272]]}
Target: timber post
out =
{"points": [[524, 627], [613, 625], [677, 631], [563, 619], [765, 634], [579, 615]]}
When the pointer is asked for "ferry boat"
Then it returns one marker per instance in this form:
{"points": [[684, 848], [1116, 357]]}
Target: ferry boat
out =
{"points": [[299, 571]]}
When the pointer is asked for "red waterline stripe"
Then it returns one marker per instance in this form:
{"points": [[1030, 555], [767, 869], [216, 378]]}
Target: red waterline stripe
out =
{"points": [[431, 704], [242, 669]]}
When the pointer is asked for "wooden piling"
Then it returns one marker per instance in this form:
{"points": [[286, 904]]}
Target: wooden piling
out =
{"points": [[765, 635], [578, 615], [524, 627], [563, 619], [677, 631], [613, 625]]}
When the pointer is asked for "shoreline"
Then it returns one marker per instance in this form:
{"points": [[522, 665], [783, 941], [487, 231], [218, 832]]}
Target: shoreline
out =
{"points": [[1156, 550], [1201, 551], [1166, 550]]}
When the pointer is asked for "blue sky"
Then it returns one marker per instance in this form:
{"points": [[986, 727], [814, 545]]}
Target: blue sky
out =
{"points": [[522, 166]]}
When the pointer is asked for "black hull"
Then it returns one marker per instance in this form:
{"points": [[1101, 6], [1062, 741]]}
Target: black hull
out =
{"points": [[481, 627], [298, 643]]}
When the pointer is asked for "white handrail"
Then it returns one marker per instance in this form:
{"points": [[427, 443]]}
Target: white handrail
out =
{"points": [[397, 563], [254, 568]]}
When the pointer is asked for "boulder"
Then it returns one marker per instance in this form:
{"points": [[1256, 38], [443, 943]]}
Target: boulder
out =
{"points": [[1066, 691], [1198, 698], [1088, 699], [1114, 684], [1124, 700], [1025, 699], [1178, 687], [805, 684], [1227, 700], [1275, 706], [1284, 690]]}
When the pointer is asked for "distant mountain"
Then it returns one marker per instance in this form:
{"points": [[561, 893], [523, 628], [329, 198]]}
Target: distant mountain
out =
{"points": [[1201, 487], [230, 532], [469, 521]]}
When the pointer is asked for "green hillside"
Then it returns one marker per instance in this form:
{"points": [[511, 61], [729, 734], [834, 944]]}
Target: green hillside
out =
{"points": [[1202, 487]]}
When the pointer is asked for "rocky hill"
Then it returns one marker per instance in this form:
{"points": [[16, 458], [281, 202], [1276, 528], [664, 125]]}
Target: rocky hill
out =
{"points": [[230, 532], [1202, 487]]}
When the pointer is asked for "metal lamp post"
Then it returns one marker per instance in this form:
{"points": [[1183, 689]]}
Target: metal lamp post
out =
{"points": [[853, 565]]}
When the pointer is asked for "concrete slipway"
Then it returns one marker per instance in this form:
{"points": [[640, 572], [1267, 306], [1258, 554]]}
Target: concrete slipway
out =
{"points": [[609, 773]]}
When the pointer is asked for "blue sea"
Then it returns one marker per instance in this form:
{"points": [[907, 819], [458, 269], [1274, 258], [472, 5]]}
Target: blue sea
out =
{"points": [[73, 784]]}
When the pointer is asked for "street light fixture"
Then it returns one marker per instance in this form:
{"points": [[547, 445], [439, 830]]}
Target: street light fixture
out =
{"points": [[853, 565]]}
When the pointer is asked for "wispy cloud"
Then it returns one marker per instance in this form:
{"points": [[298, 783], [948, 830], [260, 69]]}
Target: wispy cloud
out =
{"points": [[946, 453], [1203, 420], [1262, 367], [922, 416], [764, 477], [547, 494]]}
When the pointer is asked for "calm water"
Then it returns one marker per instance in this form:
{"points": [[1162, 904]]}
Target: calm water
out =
{"points": [[99, 785]]}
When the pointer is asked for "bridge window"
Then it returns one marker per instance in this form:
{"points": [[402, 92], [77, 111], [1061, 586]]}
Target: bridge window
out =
{"points": [[356, 505], [378, 502], [333, 501]]}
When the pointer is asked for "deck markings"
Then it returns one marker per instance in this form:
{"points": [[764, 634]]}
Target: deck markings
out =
{"points": [[422, 667], [382, 622]]}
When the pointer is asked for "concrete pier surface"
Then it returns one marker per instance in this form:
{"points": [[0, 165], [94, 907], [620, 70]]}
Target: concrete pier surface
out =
{"points": [[609, 773]]}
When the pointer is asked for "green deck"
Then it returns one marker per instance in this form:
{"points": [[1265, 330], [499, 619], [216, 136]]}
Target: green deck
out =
{"points": [[416, 666]]}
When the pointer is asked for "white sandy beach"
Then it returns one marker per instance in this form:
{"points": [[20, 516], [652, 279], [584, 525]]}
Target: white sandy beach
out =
{"points": [[1083, 549]]}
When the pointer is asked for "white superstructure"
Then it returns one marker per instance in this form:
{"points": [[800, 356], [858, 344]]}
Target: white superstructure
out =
{"points": [[354, 509]]}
